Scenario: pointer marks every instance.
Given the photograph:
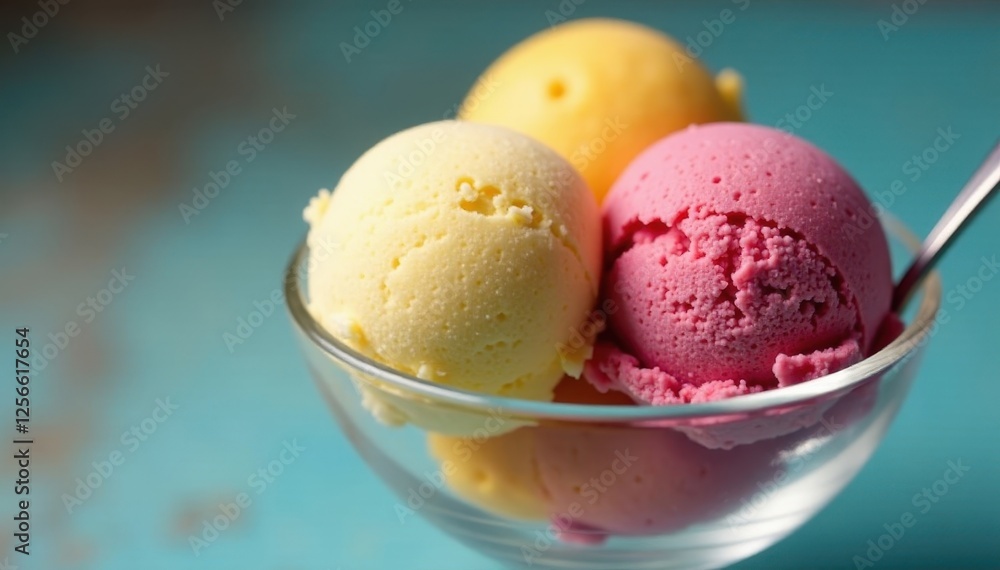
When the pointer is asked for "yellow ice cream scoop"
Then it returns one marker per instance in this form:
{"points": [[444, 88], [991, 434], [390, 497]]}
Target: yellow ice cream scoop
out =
{"points": [[463, 254], [497, 474], [500, 473], [599, 91]]}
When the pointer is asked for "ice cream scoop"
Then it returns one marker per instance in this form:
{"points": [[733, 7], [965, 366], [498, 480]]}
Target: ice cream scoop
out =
{"points": [[500, 473], [497, 474], [634, 481], [599, 91], [460, 253], [740, 258]]}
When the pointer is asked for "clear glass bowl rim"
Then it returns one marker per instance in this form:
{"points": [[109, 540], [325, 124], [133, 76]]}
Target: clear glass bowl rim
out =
{"points": [[827, 386]]}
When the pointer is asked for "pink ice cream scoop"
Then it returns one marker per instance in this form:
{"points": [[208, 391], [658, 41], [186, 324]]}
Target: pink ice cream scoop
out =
{"points": [[601, 480], [621, 480], [740, 259], [632, 481]]}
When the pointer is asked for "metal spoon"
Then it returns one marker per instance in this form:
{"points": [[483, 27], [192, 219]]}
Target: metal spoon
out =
{"points": [[975, 193]]}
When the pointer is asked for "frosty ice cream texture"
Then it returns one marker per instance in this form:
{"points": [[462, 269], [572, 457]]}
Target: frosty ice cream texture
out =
{"points": [[737, 261], [599, 91], [460, 253]]}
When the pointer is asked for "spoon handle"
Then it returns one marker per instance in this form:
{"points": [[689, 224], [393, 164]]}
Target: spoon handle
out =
{"points": [[980, 187]]}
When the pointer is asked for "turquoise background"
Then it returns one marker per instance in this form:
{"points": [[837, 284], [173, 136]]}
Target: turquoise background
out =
{"points": [[163, 336]]}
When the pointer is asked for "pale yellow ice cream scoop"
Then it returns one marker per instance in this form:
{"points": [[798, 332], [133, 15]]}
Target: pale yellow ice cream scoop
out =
{"points": [[460, 253], [497, 474], [599, 91]]}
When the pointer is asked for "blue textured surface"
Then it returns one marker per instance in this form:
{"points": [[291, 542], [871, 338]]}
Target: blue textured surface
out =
{"points": [[164, 335]]}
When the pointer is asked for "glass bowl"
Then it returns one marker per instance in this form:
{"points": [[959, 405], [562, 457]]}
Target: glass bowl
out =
{"points": [[572, 485]]}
